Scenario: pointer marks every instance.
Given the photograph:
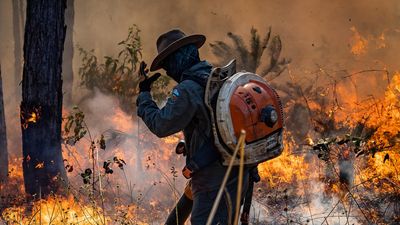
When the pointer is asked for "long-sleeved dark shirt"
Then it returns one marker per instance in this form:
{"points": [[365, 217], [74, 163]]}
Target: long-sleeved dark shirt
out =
{"points": [[186, 111]]}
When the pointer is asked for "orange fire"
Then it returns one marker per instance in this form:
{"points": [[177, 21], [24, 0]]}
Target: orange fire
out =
{"points": [[122, 121], [31, 117], [359, 44], [40, 165], [147, 166], [287, 168], [149, 161], [385, 117], [56, 210]]}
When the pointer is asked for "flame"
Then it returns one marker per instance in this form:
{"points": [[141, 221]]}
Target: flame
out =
{"points": [[33, 118], [69, 210], [359, 44], [147, 166], [381, 41], [373, 173], [149, 159], [380, 114], [14, 186], [287, 168], [122, 121], [129, 213], [385, 118], [56, 210], [382, 165], [30, 117], [40, 165]]}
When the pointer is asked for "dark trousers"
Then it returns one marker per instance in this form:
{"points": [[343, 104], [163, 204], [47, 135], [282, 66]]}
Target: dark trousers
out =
{"points": [[203, 202]]}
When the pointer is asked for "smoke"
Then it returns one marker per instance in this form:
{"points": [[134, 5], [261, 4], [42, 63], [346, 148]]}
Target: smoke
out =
{"points": [[313, 33], [321, 209], [314, 207], [115, 123], [147, 176]]}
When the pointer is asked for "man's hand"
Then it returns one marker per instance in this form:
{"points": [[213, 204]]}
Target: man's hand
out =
{"points": [[145, 85]]}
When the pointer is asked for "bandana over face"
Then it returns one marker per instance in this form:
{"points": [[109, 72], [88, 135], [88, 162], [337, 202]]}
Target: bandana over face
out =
{"points": [[181, 60]]}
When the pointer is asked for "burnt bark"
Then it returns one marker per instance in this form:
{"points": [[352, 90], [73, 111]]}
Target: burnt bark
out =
{"points": [[68, 75], [41, 106], [3, 137]]}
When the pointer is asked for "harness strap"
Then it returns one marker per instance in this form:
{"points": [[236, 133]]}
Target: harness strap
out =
{"points": [[206, 155], [244, 219], [253, 178]]}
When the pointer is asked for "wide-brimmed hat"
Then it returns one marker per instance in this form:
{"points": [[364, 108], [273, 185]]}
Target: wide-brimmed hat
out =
{"points": [[171, 41]]}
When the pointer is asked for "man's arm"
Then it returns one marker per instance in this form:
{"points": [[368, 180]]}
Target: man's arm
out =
{"points": [[170, 119]]}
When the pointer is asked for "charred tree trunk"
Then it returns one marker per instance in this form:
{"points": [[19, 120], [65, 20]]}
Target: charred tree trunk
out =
{"points": [[41, 105], [68, 75], [3, 137]]}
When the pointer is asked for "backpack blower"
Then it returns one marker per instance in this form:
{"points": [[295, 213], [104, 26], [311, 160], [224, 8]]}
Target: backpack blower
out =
{"points": [[245, 101]]}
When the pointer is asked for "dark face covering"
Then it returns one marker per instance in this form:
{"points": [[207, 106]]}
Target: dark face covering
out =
{"points": [[181, 60]]}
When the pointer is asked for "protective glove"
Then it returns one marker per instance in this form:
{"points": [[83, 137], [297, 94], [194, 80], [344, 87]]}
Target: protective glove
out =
{"points": [[145, 85]]}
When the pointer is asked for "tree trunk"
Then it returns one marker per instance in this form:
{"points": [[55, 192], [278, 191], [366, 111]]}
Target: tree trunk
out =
{"points": [[18, 25], [68, 74], [41, 105], [3, 137]]}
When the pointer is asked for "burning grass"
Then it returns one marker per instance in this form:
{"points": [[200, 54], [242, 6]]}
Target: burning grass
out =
{"points": [[348, 177], [55, 210]]}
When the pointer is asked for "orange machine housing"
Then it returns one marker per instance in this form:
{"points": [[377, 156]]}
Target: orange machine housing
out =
{"points": [[246, 105]]}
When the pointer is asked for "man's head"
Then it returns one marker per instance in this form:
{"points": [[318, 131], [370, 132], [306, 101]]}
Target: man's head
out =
{"points": [[177, 52], [180, 60]]}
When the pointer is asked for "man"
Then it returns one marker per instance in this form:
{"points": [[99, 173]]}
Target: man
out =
{"points": [[185, 111]]}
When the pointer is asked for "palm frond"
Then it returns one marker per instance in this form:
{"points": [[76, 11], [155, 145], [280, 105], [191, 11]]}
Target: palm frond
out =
{"points": [[250, 58], [240, 47]]}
